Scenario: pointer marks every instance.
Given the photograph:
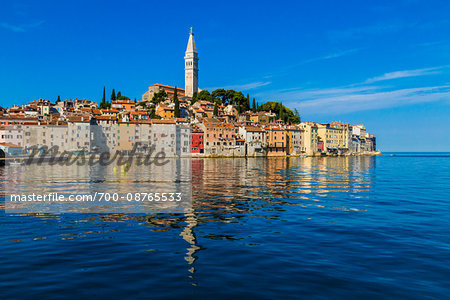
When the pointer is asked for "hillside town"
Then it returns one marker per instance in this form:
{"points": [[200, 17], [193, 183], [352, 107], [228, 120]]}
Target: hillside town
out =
{"points": [[179, 122]]}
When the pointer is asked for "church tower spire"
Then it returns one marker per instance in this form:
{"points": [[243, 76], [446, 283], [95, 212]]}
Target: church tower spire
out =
{"points": [[191, 67]]}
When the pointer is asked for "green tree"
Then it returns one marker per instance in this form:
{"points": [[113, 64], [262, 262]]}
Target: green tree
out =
{"points": [[159, 96], [220, 94], [194, 98], [216, 109], [254, 105], [113, 95], [205, 95], [119, 94], [247, 103], [103, 103], [176, 112], [297, 115], [58, 100], [280, 110]]}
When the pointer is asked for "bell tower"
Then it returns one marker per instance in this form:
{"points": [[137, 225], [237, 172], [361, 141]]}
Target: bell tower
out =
{"points": [[191, 67]]}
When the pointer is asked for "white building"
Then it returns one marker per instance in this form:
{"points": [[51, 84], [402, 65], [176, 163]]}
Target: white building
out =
{"points": [[255, 140]]}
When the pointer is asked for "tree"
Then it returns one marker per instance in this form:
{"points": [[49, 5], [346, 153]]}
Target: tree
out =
{"points": [[247, 103], [103, 104], [205, 95], [58, 100], [281, 111], [159, 96], [194, 98], [119, 94], [176, 112], [254, 105], [297, 115], [113, 95], [220, 94], [216, 109]]}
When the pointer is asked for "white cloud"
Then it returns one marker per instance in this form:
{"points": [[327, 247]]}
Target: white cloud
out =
{"points": [[21, 28], [342, 100], [405, 73], [11, 27], [242, 87]]}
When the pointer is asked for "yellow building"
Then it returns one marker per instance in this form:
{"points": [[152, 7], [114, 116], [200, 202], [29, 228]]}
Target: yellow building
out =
{"points": [[109, 112], [260, 118], [294, 140], [309, 137], [125, 136], [165, 112], [334, 137]]}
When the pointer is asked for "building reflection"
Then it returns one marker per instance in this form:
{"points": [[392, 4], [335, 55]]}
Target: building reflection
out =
{"points": [[223, 190]]}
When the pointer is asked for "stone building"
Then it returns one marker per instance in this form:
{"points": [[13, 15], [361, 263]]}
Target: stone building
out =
{"points": [[310, 138], [255, 140]]}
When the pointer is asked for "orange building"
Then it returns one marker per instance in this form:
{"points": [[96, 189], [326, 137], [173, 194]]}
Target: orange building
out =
{"points": [[128, 105], [277, 141], [165, 112]]}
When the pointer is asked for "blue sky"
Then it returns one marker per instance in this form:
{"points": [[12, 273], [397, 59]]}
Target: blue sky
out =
{"points": [[385, 64]]}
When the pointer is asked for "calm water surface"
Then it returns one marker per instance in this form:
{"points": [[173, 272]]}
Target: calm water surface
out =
{"points": [[354, 227]]}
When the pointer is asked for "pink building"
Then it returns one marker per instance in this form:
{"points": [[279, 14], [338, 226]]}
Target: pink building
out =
{"points": [[11, 135]]}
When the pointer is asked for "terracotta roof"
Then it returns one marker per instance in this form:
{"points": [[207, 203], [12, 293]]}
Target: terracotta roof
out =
{"points": [[253, 128], [158, 121], [105, 118], [79, 119], [167, 86], [122, 102]]}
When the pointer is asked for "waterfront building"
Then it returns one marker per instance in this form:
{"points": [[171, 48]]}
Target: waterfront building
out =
{"points": [[104, 131], [183, 139], [79, 133], [277, 141], [295, 143], [220, 138], [309, 138], [55, 134], [333, 138], [44, 134], [11, 134], [164, 136], [143, 135], [191, 67], [125, 136], [346, 129], [197, 145], [255, 140]]}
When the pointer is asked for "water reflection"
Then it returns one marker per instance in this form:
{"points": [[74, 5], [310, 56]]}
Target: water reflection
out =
{"points": [[224, 191]]}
